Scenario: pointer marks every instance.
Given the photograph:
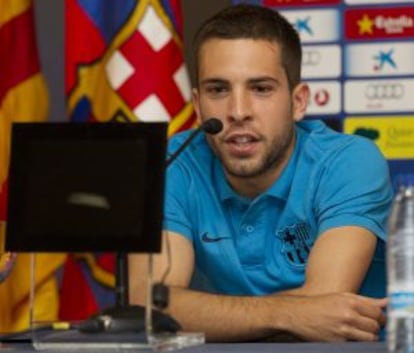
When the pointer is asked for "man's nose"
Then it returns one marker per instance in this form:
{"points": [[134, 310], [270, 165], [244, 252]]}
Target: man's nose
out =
{"points": [[239, 106]]}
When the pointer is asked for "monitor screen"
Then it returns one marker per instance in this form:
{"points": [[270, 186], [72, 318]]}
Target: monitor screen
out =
{"points": [[86, 187]]}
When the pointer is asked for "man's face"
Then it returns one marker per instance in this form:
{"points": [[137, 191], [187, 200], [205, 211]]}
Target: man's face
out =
{"points": [[242, 82]]}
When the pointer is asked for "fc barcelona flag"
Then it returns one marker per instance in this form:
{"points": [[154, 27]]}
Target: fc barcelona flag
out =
{"points": [[23, 97], [124, 62]]}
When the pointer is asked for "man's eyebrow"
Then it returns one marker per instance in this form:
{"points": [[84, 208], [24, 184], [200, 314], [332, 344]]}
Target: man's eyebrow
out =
{"points": [[213, 80], [263, 79], [253, 80]]}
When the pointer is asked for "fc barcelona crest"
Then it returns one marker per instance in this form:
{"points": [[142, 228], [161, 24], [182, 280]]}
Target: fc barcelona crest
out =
{"points": [[296, 243]]}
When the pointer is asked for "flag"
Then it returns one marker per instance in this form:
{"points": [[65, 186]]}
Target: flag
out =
{"points": [[23, 97], [124, 62]]}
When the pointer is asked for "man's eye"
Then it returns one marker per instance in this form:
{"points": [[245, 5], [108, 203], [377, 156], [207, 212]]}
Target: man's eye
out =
{"points": [[262, 89], [216, 90]]}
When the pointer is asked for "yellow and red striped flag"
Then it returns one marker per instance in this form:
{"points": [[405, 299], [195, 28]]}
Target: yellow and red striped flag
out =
{"points": [[23, 97]]}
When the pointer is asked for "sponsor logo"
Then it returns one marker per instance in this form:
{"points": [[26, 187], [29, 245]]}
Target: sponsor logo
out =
{"points": [[325, 98], [384, 58], [366, 25], [311, 57], [296, 243], [302, 25], [372, 134], [321, 97], [374, 59], [321, 61], [208, 239], [394, 135], [381, 96], [321, 25], [379, 23], [389, 25], [384, 90], [394, 24]]}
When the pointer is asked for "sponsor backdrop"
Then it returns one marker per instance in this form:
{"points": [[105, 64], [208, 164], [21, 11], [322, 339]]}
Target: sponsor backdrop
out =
{"points": [[358, 58]]}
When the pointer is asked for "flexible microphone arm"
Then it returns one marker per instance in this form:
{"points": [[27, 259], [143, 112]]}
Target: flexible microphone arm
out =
{"points": [[211, 126], [160, 292]]}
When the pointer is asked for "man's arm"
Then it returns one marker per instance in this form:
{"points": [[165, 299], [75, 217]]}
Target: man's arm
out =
{"points": [[325, 317], [338, 261]]}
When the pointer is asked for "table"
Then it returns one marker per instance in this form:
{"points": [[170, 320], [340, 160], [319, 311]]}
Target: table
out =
{"points": [[348, 347]]}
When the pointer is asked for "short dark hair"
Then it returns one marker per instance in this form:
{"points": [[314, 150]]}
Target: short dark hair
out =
{"points": [[254, 22]]}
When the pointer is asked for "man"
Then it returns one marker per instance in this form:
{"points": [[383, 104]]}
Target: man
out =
{"points": [[284, 218]]}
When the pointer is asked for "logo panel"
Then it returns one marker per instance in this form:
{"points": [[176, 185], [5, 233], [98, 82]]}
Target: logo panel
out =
{"points": [[374, 2], [379, 23], [363, 96], [393, 135], [299, 2], [315, 25], [325, 98], [379, 59], [321, 61]]}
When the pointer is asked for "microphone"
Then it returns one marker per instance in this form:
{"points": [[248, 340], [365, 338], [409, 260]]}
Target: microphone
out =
{"points": [[211, 126]]}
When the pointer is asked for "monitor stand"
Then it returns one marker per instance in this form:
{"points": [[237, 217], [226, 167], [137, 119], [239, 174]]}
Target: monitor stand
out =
{"points": [[125, 327], [123, 317]]}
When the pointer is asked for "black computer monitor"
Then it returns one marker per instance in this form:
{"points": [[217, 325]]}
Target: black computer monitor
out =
{"points": [[86, 187]]}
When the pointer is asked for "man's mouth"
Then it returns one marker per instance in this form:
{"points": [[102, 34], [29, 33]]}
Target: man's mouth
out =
{"points": [[242, 145]]}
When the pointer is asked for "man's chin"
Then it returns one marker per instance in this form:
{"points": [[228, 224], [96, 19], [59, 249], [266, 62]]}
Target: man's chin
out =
{"points": [[242, 171]]}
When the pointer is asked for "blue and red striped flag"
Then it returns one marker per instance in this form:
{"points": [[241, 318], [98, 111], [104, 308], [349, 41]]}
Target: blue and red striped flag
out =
{"points": [[124, 62]]}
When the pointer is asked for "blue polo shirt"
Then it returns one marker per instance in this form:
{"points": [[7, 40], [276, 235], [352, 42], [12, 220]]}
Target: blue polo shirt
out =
{"points": [[261, 246]]}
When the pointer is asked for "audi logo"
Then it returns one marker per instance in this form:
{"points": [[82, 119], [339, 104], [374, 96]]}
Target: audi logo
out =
{"points": [[311, 58], [384, 90]]}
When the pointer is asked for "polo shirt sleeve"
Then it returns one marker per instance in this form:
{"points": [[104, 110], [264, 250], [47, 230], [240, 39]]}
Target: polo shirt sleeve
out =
{"points": [[354, 188], [176, 201]]}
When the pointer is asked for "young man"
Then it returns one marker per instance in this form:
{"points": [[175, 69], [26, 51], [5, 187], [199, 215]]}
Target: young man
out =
{"points": [[284, 218]]}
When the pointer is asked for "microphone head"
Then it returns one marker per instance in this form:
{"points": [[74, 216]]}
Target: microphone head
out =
{"points": [[212, 126]]}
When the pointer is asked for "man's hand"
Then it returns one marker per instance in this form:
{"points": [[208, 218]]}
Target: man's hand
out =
{"points": [[338, 317]]}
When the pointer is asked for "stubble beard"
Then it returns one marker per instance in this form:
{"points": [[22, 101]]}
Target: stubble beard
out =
{"points": [[273, 157]]}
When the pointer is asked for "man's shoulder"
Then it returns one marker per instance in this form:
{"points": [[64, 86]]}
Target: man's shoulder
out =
{"points": [[321, 140]]}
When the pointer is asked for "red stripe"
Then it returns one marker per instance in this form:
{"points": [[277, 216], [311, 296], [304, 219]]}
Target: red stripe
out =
{"points": [[83, 42], [18, 56], [176, 9], [77, 301], [106, 261]]}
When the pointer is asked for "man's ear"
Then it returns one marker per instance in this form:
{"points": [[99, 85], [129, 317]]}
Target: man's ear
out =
{"points": [[300, 100], [196, 103]]}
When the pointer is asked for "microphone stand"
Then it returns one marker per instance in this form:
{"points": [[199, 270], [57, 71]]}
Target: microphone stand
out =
{"points": [[121, 280], [211, 126], [183, 146], [125, 317]]}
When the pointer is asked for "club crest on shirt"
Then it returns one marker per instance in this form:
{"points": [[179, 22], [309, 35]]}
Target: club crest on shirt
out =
{"points": [[296, 243]]}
